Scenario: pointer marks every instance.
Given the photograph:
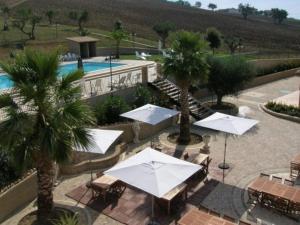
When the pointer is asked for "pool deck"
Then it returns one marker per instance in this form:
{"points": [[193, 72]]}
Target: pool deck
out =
{"points": [[129, 64]]}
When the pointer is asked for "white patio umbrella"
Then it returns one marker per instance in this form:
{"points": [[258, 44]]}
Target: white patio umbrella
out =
{"points": [[153, 172], [101, 140], [150, 114], [229, 125]]}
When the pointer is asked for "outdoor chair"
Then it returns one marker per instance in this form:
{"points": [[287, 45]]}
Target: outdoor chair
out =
{"points": [[229, 218], [294, 208], [280, 204], [98, 86], [138, 56], [288, 182], [214, 213], [253, 195], [243, 223], [265, 176], [277, 179], [129, 79], [203, 209]]}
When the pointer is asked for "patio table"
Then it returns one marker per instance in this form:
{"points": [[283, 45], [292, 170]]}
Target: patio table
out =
{"points": [[269, 187], [103, 185], [196, 217], [180, 189], [295, 167]]}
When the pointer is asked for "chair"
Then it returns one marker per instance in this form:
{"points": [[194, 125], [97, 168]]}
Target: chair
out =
{"points": [[203, 209], [129, 79], [98, 85], [214, 213], [265, 176], [143, 54], [277, 179], [229, 218], [288, 182], [138, 56], [253, 195], [243, 223]]}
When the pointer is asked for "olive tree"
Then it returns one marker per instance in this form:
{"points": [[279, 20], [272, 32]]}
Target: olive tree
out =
{"points": [[163, 30], [214, 38], [228, 76]]}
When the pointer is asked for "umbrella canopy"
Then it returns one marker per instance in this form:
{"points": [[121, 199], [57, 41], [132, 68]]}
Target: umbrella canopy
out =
{"points": [[153, 172], [227, 123], [101, 140], [150, 114]]}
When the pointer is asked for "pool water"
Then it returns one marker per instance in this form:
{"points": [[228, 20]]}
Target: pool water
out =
{"points": [[88, 67]]}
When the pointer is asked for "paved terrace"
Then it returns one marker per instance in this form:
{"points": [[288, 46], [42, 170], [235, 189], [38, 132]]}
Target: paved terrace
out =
{"points": [[268, 149]]}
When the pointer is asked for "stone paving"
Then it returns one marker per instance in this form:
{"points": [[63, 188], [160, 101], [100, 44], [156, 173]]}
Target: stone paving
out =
{"points": [[268, 149]]}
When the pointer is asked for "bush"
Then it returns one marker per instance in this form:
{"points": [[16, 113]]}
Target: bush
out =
{"points": [[278, 68], [108, 112], [284, 109], [142, 96], [7, 170], [68, 219]]}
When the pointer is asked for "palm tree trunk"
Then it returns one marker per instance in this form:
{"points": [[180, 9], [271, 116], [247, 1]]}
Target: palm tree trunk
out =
{"points": [[45, 184], [184, 136]]}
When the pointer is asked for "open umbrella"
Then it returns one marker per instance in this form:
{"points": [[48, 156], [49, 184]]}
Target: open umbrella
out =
{"points": [[150, 114], [101, 140], [157, 172], [227, 124]]}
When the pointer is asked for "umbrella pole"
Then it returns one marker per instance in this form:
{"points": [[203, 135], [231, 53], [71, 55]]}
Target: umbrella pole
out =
{"points": [[224, 165], [152, 216]]}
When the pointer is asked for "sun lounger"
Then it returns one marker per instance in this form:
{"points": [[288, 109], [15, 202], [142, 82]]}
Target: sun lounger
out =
{"points": [[138, 56]]}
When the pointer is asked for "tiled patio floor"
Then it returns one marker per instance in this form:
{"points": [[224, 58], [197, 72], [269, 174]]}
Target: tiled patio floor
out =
{"points": [[134, 206]]}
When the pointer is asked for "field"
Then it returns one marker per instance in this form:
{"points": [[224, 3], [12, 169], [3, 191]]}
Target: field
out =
{"points": [[139, 16]]}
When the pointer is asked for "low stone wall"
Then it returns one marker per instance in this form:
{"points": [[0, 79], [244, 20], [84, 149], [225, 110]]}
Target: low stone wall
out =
{"points": [[280, 115], [273, 77], [204, 92], [145, 131], [269, 63], [18, 196], [95, 164]]}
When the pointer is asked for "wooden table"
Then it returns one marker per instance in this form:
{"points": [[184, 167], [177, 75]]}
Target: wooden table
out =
{"points": [[289, 193], [180, 189], [196, 217], [295, 167], [103, 184]]}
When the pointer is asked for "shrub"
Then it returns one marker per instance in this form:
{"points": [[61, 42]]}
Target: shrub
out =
{"points": [[284, 109], [278, 68], [7, 170], [68, 219], [108, 112], [142, 96]]}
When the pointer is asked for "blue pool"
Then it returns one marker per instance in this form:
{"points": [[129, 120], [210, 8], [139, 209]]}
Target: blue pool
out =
{"points": [[88, 67]]}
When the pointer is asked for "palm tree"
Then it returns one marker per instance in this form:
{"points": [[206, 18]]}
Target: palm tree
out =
{"points": [[45, 118], [187, 64], [118, 34]]}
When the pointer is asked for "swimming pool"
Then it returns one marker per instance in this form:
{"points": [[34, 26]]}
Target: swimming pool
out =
{"points": [[88, 67]]}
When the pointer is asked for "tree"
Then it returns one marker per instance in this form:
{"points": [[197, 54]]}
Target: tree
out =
{"points": [[52, 124], [246, 10], [228, 76], [183, 3], [212, 6], [5, 13], [50, 15], [233, 43], [163, 30], [187, 64], [279, 15], [25, 17], [118, 34], [80, 18], [214, 38], [198, 4]]}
